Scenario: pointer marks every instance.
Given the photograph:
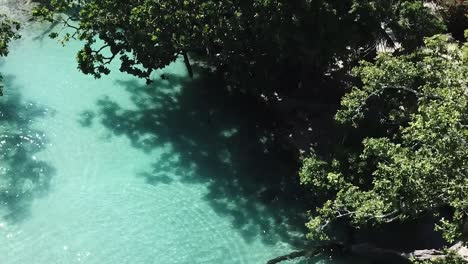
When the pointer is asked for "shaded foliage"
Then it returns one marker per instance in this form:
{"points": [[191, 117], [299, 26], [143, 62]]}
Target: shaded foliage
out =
{"points": [[279, 43], [417, 162], [8, 32], [455, 13]]}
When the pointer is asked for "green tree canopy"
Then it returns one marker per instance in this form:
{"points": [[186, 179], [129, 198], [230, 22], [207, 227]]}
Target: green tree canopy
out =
{"points": [[8, 32], [252, 41], [417, 161]]}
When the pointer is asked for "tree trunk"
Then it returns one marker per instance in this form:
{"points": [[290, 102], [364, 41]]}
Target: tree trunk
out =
{"points": [[187, 64], [332, 248], [292, 255]]}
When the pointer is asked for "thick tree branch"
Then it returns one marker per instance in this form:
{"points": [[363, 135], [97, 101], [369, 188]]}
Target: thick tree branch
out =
{"points": [[332, 248], [187, 64], [380, 91]]}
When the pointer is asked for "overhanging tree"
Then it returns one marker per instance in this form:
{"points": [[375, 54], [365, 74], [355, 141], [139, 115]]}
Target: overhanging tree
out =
{"points": [[278, 41], [8, 32], [416, 161]]}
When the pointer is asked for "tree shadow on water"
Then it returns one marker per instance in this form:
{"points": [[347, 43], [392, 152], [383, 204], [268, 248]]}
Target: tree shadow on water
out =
{"points": [[22, 176], [200, 134]]}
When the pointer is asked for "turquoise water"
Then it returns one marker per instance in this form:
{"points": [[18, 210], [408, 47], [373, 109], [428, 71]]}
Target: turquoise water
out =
{"points": [[114, 171]]}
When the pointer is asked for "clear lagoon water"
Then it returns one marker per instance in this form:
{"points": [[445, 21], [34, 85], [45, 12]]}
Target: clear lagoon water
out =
{"points": [[115, 171]]}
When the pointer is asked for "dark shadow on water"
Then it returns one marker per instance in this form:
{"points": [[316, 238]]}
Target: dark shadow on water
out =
{"points": [[23, 176], [156, 178], [210, 137], [86, 118], [46, 32]]}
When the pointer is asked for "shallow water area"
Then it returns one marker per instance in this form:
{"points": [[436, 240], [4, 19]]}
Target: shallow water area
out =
{"points": [[115, 171]]}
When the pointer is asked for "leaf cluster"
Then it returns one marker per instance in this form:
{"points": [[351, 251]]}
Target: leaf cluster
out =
{"points": [[8, 32], [250, 40], [420, 164]]}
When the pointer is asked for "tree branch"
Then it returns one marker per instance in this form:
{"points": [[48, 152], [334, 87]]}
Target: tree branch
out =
{"points": [[380, 91]]}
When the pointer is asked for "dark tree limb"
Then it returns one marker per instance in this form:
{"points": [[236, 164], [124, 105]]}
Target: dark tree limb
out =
{"points": [[332, 248], [290, 256], [187, 64]]}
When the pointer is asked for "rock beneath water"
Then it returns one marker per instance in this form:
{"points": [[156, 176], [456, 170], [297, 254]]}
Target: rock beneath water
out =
{"points": [[19, 10]]}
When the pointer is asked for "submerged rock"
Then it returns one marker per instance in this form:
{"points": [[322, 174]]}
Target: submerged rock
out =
{"points": [[19, 10]]}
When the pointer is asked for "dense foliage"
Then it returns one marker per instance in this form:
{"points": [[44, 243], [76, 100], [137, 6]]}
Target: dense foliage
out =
{"points": [[278, 43], [8, 31], [455, 13], [418, 163]]}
